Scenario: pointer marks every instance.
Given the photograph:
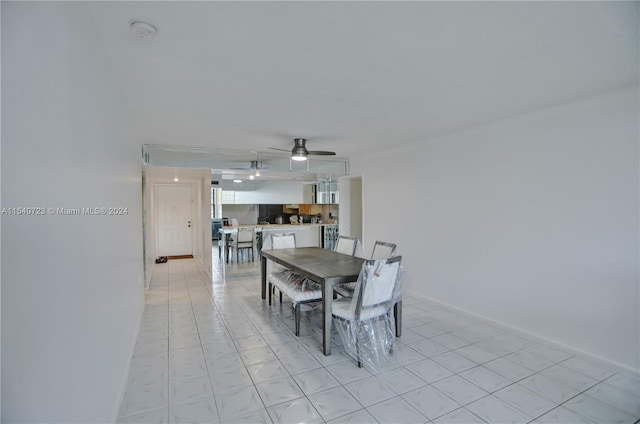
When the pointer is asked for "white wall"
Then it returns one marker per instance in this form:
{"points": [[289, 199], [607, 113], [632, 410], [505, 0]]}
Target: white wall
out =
{"points": [[532, 221], [72, 292]]}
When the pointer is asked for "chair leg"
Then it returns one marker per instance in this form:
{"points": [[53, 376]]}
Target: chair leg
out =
{"points": [[270, 292], [280, 296], [297, 318], [357, 344]]}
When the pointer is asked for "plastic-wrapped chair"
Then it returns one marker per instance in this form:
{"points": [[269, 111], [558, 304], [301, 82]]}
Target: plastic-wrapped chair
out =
{"points": [[359, 317], [298, 288], [381, 250], [243, 240]]}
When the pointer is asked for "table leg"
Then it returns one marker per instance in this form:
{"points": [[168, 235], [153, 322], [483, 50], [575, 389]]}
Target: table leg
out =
{"points": [[263, 275], [327, 300], [224, 256], [397, 312]]}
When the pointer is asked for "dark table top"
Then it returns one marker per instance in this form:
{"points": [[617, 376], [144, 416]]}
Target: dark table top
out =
{"points": [[320, 265]]}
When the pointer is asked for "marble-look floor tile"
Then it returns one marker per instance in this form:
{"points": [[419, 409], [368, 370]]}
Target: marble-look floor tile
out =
{"points": [[369, 391], [529, 360], [428, 347], [347, 372], [569, 377], [195, 412], [230, 380], [266, 371], [525, 400], [617, 398], [300, 362], [628, 382], [460, 390], [359, 417], [315, 381], [156, 416], [454, 362], [597, 411], [548, 352], [401, 380], [494, 410], [334, 403], [397, 411], [295, 411], [508, 369], [476, 354], [459, 416], [144, 400], [562, 415], [189, 390], [429, 370], [260, 416], [548, 388], [430, 402], [591, 368], [278, 391], [147, 377], [238, 402]]}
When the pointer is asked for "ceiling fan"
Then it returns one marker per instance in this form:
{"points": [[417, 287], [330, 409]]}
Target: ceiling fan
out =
{"points": [[300, 152], [255, 165]]}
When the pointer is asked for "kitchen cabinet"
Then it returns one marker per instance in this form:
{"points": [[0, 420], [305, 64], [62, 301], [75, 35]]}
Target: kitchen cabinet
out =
{"points": [[228, 197], [327, 192]]}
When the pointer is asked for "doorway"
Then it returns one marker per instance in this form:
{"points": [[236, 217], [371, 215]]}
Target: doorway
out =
{"points": [[174, 219]]}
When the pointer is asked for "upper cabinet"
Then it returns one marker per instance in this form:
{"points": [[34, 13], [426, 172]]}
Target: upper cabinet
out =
{"points": [[322, 193], [283, 192], [263, 192]]}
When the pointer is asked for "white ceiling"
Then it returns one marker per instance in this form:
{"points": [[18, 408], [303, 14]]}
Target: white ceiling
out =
{"points": [[354, 75]]}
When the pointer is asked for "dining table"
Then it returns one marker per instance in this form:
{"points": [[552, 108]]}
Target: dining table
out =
{"points": [[325, 267]]}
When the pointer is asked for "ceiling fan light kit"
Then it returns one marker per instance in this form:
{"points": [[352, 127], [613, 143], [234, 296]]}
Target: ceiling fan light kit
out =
{"points": [[300, 153]]}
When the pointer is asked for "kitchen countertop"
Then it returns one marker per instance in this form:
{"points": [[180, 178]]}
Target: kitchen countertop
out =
{"points": [[276, 226]]}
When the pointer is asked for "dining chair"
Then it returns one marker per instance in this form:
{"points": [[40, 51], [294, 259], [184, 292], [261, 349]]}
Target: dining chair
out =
{"points": [[298, 288], [346, 245], [244, 240], [373, 300], [279, 241], [381, 250]]}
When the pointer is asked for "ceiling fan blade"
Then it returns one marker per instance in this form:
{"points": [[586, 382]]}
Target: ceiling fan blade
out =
{"points": [[282, 150], [321, 153]]}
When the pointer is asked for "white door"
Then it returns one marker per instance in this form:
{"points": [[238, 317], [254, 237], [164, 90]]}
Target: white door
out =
{"points": [[174, 218]]}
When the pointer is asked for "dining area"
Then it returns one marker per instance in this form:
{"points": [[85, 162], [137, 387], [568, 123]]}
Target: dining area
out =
{"points": [[362, 296]]}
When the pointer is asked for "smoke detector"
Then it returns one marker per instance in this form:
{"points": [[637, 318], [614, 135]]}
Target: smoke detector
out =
{"points": [[143, 29]]}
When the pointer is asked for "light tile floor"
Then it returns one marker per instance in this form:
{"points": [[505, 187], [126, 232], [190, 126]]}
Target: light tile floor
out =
{"points": [[217, 353]]}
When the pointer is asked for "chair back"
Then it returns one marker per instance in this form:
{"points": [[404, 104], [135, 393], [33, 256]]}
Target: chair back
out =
{"points": [[376, 285], [245, 235], [346, 245], [383, 250], [283, 241]]}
